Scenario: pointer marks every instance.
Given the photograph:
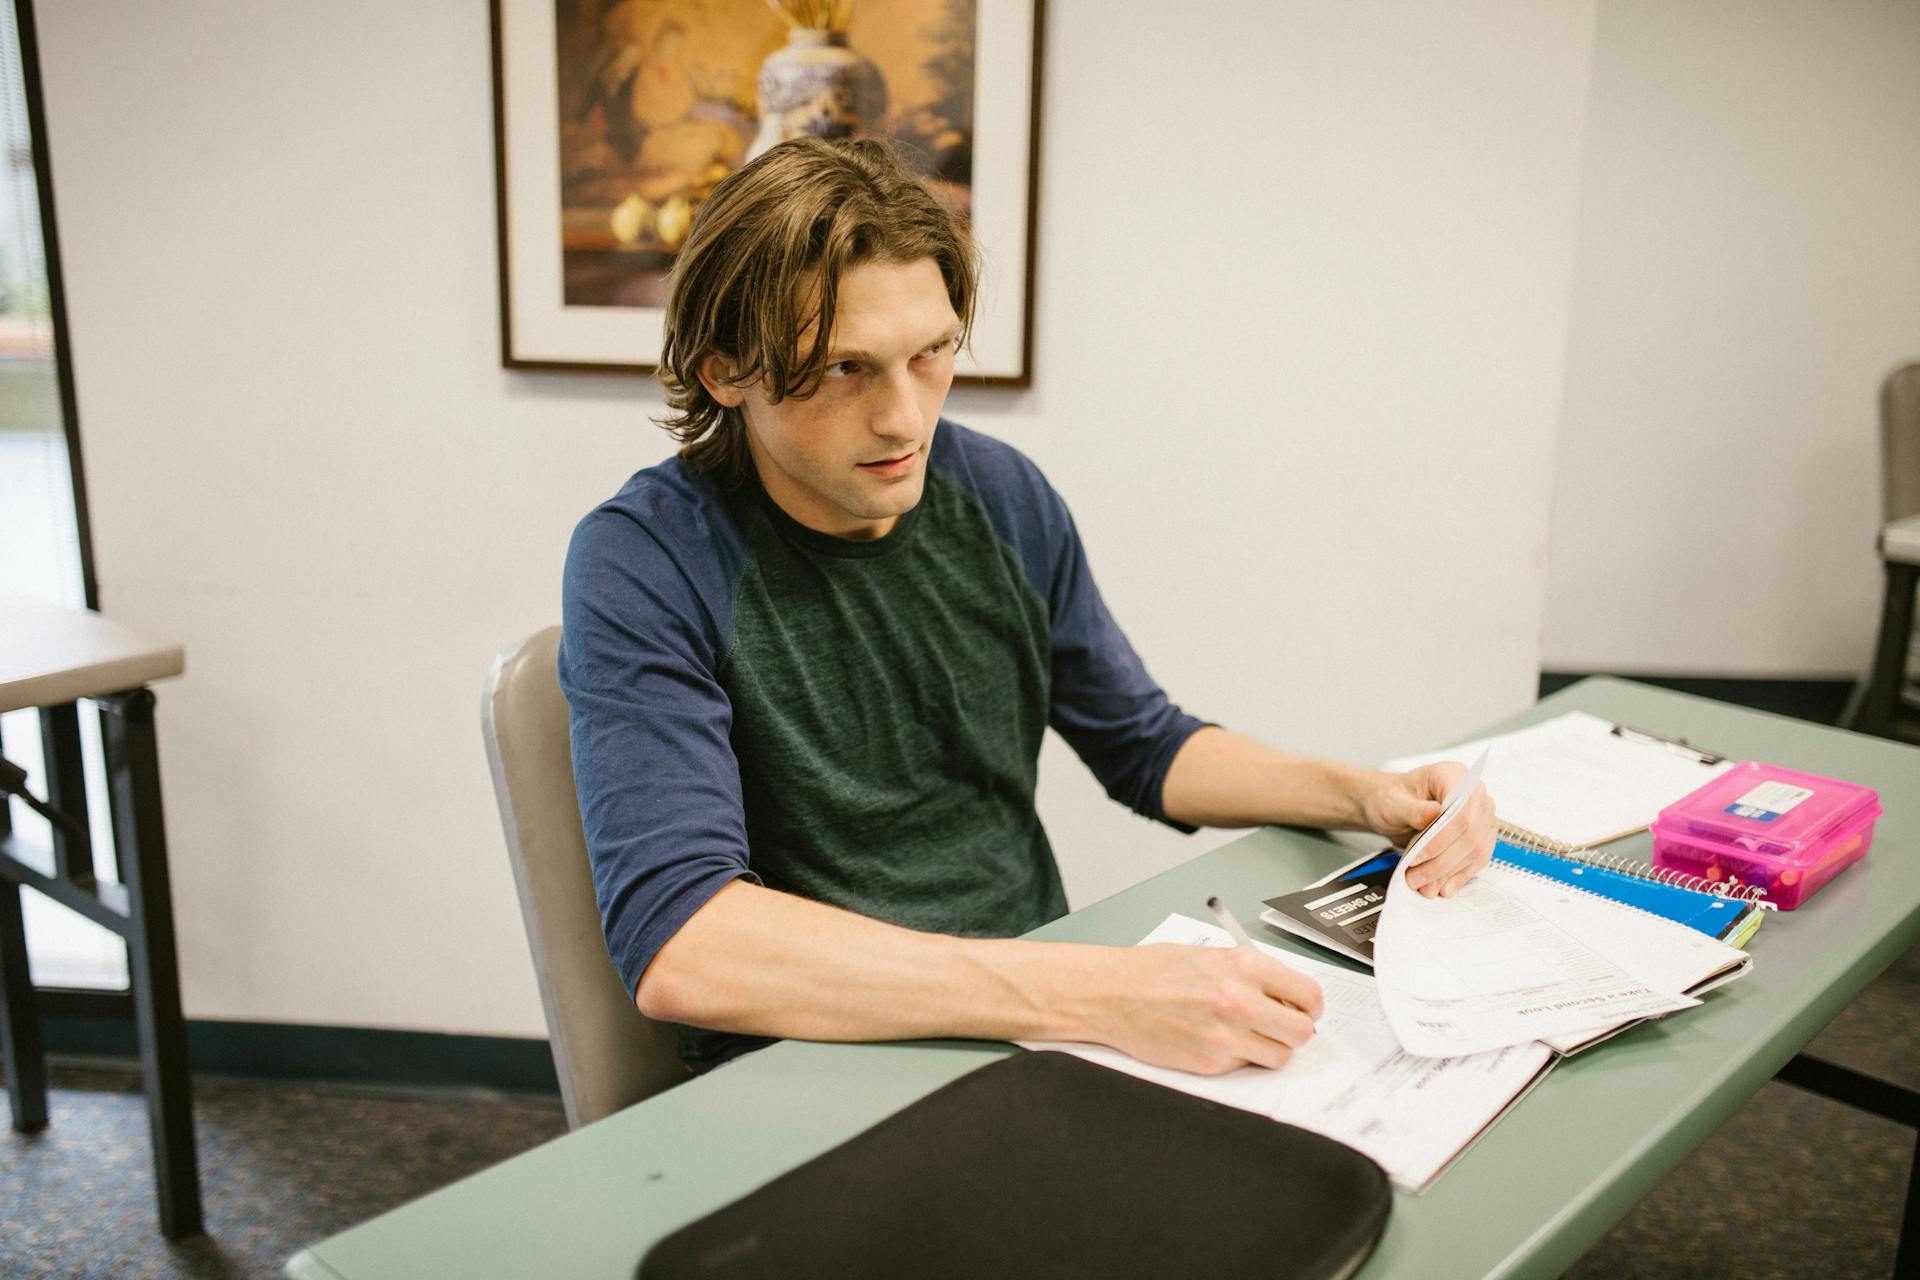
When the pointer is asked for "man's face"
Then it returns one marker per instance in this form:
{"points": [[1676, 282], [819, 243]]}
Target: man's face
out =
{"points": [[851, 459]]}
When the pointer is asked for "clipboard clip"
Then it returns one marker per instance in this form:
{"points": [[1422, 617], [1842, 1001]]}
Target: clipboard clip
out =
{"points": [[1679, 746]]}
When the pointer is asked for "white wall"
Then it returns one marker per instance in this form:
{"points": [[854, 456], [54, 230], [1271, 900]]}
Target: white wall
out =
{"points": [[1303, 290], [1748, 271]]}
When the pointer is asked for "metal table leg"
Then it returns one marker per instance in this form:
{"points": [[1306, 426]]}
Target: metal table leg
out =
{"points": [[133, 784], [26, 1063]]}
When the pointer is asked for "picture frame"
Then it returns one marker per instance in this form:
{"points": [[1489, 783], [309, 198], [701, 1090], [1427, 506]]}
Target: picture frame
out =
{"points": [[582, 278]]}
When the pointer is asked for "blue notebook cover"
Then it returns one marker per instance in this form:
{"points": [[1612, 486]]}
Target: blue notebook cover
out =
{"points": [[1714, 916]]}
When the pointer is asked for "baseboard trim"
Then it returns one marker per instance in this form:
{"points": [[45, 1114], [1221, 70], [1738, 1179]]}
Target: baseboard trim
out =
{"points": [[99, 1025], [1820, 701]]}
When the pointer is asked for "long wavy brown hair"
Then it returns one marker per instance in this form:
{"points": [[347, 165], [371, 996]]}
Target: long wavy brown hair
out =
{"points": [[760, 270]]}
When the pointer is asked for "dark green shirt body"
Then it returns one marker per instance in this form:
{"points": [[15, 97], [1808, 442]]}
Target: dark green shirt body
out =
{"points": [[853, 722]]}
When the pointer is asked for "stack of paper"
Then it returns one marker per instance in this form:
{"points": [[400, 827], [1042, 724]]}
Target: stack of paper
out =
{"points": [[1578, 780], [1513, 957], [1352, 1081], [1471, 998]]}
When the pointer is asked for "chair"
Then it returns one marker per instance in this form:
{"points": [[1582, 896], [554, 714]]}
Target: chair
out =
{"points": [[1881, 703], [607, 1053]]}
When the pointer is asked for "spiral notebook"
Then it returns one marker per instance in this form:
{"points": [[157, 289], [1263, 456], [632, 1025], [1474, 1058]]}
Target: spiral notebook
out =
{"points": [[1341, 911], [1576, 781], [1731, 914]]}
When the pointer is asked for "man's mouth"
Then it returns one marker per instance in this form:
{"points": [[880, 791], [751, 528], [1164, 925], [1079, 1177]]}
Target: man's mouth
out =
{"points": [[897, 464]]}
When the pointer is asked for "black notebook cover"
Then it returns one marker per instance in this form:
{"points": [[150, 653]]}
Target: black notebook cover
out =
{"points": [[1342, 916], [1044, 1165]]}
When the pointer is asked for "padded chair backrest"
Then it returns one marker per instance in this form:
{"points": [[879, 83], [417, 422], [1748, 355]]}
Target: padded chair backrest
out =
{"points": [[607, 1053], [1900, 440]]}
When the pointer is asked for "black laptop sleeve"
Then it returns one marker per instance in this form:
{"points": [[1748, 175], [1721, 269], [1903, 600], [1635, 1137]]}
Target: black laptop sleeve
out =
{"points": [[1045, 1165]]}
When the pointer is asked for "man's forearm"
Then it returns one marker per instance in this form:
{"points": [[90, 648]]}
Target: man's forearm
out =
{"points": [[769, 963], [1221, 779]]}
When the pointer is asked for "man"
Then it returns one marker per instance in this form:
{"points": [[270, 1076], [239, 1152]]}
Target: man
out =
{"points": [[809, 663]]}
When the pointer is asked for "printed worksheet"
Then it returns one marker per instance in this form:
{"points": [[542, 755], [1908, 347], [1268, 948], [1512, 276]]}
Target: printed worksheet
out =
{"points": [[1352, 1081], [1486, 968]]}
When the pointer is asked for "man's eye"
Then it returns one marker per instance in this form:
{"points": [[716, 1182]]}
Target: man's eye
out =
{"points": [[936, 348], [840, 369]]}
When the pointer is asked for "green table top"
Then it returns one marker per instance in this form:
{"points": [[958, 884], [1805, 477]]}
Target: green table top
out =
{"points": [[1528, 1200]]}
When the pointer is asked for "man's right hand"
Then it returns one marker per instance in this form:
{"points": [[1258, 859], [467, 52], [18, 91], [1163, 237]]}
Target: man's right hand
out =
{"points": [[1207, 1010]]}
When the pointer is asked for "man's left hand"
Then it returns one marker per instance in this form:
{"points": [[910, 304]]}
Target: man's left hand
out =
{"points": [[1405, 804]]}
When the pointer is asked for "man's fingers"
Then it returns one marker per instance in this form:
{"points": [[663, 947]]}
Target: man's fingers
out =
{"points": [[1270, 1039], [1464, 844], [1448, 833], [1450, 848], [1234, 1052], [1264, 1052], [1421, 813], [1283, 1024], [1293, 987]]}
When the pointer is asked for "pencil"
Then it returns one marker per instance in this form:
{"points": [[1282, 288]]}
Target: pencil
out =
{"points": [[1227, 922]]}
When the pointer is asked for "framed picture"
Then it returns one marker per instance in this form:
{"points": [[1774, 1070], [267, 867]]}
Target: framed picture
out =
{"points": [[613, 120]]}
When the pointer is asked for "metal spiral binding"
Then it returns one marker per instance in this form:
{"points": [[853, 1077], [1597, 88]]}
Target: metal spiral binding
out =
{"points": [[1539, 843], [1685, 880], [1638, 870]]}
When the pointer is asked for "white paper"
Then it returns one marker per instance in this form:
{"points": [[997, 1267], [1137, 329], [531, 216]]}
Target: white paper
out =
{"points": [[1485, 969], [1573, 780], [1665, 956], [1351, 1081]]}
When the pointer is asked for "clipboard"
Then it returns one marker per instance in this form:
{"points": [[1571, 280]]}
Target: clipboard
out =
{"points": [[1576, 781]]}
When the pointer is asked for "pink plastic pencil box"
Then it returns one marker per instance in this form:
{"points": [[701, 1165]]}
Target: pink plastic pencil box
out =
{"points": [[1784, 832]]}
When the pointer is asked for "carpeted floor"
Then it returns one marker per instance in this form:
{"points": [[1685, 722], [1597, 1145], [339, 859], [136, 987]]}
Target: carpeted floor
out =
{"points": [[1792, 1187], [281, 1166]]}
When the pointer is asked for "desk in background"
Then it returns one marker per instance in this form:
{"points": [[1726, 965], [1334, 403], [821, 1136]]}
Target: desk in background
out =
{"points": [[1528, 1200], [50, 658]]}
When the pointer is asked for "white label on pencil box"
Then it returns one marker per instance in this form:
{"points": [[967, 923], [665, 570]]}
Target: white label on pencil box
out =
{"points": [[1768, 801]]}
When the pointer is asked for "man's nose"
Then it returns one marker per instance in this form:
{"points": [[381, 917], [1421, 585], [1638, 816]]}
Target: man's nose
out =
{"points": [[897, 410]]}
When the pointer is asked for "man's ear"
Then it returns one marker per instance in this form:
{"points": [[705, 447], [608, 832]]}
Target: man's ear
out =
{"points": [[715, 372]]}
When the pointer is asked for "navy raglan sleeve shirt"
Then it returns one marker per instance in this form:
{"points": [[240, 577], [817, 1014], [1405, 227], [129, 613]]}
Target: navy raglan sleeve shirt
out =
{"points": [[648, 622]]}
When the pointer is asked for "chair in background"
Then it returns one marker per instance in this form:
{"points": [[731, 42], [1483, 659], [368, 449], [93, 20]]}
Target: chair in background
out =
{"points": [[607, 1053], [1882, 703]]}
